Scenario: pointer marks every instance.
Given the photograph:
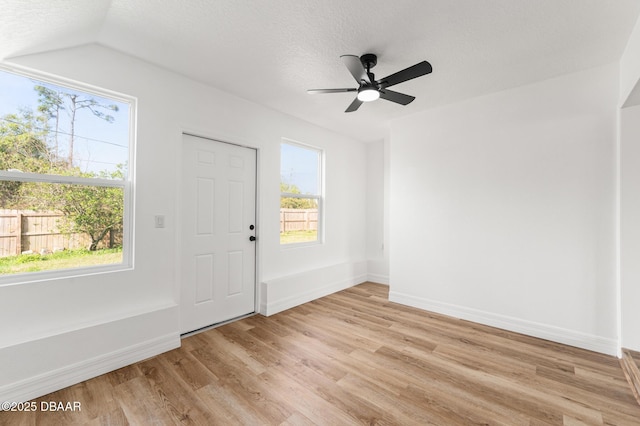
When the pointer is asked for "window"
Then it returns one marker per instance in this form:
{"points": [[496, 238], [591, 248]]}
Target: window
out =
{"points": [[65, 177], [300, 193]]}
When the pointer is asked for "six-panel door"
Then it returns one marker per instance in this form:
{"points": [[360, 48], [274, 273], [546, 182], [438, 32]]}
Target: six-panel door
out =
{"points": [[218, 215]]}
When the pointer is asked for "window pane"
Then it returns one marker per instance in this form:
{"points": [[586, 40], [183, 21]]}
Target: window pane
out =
{"points": [[61, 222], [298, 220], [50, 129], [300, 187], [50, 226], [299, 170]]}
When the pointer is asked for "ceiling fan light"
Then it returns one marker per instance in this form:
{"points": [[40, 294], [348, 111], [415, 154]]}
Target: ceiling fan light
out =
{"points": [[368, 94]]}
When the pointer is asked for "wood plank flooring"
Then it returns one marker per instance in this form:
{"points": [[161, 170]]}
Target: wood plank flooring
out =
{"points": [[354, 358], [630, 364]]}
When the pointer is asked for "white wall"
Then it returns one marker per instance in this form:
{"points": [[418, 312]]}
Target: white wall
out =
{"points": [[630, 226], [503, 209], [630, 69], [377, 196], [57, 332], [629, 158]]}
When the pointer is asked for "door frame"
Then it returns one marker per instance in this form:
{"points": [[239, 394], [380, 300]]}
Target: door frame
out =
{"points": [[230, 140]]}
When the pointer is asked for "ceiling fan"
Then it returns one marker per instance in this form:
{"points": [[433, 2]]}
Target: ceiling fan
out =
{"points": [[370, 89]]}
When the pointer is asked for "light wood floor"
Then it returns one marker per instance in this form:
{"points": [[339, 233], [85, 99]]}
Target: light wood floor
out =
{"points": [[355, 358], [635, 356], [630, 364]]}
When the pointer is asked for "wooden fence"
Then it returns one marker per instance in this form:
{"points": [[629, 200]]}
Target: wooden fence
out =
{"points": [[298, 220], [27, 230]]}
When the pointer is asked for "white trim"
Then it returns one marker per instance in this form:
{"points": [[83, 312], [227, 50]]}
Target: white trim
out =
{"points": [[301, 244], [52, 381], [302, 196], [97, 321], [530, 328], [378, 278], [286, 292], [57, 274], [72, 180], [68, 83], [272, 308], [302, 145], [618, 226]]}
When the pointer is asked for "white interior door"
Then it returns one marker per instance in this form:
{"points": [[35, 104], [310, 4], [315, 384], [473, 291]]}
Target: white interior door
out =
{"points": [[218, 213]]}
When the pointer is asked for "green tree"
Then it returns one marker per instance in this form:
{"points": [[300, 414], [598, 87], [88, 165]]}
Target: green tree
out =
{"points": [[22, 143], [294, 202], [94, 210], [53, 102], [23, 149]]}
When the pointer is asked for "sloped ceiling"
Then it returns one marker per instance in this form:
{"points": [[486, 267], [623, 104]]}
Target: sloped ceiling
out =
{"points": [[270, 52]]}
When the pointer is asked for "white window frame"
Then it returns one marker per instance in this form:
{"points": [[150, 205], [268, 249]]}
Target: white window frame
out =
{"points": [[126, 184], [318, 197]]}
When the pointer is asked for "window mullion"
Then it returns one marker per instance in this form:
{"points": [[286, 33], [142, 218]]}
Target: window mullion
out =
{"points": [[72, 180], [291, 195]]}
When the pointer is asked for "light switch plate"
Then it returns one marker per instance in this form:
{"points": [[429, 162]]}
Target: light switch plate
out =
{"points": [[159, 221]]}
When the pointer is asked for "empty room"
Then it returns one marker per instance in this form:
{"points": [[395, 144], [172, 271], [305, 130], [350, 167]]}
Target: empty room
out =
{"points": [[320, 212]]}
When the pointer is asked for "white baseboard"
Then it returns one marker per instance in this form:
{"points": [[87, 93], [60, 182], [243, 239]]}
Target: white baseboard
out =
{"points": [[299, 299], [378, 278], [287, 292], [530, 328], [43, 384]]}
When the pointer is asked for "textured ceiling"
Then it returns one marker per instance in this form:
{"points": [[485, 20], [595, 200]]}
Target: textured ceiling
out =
{"points": [[270, 52]]}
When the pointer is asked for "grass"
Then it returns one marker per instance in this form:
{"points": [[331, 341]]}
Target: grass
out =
{"points": [[298, 237], [60, 260], [80, 258]]}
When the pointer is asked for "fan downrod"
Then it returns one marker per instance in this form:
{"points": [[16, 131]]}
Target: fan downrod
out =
{"points": [[369, 60]]}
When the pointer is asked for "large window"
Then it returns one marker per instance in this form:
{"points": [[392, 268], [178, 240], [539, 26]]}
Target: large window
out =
{"points": [[300, 194], [65, 177]]}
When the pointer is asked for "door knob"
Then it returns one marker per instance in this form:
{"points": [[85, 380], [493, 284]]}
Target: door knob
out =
{"points": [[252, 238]]}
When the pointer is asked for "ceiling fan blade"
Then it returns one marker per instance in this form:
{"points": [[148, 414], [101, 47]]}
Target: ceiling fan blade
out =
{"points": [[399, 98], [316, 91], [355, 67], [417, 70], [354, 105]]}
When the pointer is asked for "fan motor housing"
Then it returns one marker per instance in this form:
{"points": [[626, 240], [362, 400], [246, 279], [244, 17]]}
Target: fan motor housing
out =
{"points": [[369, 60]]}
